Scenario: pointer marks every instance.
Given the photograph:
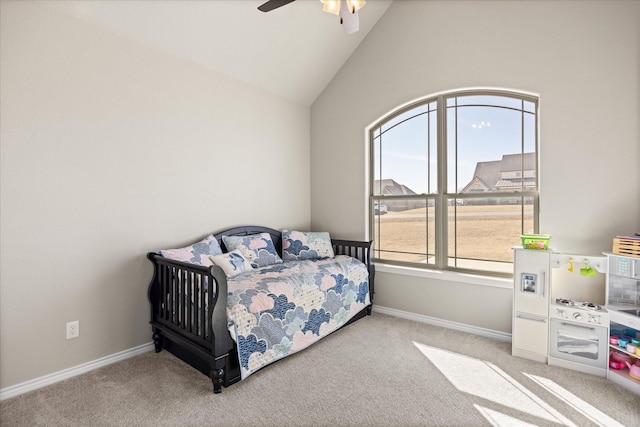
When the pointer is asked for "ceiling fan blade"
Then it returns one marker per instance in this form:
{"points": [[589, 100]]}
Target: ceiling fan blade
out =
{"points": [[273, 4]]}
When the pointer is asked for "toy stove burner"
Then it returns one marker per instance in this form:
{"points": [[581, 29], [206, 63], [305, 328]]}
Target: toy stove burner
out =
{"points": [[578, 311], [590, 306]]}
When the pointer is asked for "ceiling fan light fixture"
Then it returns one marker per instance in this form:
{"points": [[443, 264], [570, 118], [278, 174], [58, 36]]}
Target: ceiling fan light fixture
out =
{"points": [[355, 5], [349, 19], [333, 6]]}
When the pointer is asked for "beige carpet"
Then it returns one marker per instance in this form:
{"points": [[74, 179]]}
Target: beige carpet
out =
{"points": [[380, 371]]}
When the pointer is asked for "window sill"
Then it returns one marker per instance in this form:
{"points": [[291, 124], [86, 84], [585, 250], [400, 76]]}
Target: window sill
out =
{"points": [[451, 276]]}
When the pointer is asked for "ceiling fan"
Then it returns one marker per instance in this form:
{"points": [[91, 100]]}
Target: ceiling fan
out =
{"points": [[347, 10]]}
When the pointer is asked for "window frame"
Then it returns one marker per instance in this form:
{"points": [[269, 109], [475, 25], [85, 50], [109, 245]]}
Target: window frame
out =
{"points": [[442, 195]]}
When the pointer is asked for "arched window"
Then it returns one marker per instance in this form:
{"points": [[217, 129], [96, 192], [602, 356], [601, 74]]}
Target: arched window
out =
{"points": [[454, 180]]}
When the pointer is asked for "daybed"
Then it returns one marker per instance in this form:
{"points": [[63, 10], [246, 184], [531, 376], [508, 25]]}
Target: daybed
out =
{"points": [[229, 311]]}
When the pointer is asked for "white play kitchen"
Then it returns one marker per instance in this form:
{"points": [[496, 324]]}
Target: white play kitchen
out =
{"points": [[581, 312]]}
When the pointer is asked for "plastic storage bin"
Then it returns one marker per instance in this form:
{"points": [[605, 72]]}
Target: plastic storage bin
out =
{"points": [[535, 241]]}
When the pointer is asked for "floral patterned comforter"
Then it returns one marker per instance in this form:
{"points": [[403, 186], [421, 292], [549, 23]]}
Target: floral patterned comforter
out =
{"points": [[278, 310]]}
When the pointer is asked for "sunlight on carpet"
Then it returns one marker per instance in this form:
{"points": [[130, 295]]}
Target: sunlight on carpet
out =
{"points": [[491, 383], [498, 419], [575, 402]]}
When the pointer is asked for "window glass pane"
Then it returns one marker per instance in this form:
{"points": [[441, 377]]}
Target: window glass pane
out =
{"points": [[483, 137], [406, 231], [432, 186], [528, 224], [529, 133], [529, 106], [407, 115], [405, 156], [530, 157], [377, 184], [481, 236], [452, 155]]}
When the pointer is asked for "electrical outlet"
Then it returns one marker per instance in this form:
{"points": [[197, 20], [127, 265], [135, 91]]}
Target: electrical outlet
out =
{"points": [[73, 329]]}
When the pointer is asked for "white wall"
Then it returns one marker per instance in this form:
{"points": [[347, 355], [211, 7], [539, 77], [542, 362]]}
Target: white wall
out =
{"points": [[110, 150], [582, 58]]}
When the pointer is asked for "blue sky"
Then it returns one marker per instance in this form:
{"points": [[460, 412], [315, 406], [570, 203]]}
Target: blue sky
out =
{"points": [[483, 134]]}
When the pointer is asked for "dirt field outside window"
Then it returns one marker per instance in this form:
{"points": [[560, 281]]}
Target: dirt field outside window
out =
{"points": [[485, 233]]}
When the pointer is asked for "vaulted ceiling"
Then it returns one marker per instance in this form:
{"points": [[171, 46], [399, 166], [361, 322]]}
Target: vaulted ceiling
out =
{"points": [[293, 51]]}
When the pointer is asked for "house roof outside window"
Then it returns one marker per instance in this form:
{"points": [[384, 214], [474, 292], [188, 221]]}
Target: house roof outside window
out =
{"points": [[509, 173], [388, 187]]}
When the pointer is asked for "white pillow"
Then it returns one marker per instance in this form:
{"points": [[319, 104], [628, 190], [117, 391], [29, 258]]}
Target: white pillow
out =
{"points": [[232, 263]]}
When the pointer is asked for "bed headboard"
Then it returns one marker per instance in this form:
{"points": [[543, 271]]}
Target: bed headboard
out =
{"points": [[276, 235]]}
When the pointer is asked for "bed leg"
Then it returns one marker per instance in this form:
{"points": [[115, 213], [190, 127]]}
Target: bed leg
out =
{"points": [[157, 341], [217, 376]]}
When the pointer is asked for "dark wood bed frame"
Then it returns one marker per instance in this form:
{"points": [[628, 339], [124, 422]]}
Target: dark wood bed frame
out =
{"points": [[201, 337]]}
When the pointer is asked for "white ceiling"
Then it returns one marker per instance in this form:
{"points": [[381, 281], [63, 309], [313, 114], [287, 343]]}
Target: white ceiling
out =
{"points": [[293, 51]]}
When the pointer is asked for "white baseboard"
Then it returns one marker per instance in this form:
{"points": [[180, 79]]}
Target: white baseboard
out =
{"points": [[489, 333], [46, 380]]}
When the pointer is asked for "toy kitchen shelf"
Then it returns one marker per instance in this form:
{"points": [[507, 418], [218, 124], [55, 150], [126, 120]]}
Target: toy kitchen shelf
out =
{"points": [[623, 305], [621, 377]]}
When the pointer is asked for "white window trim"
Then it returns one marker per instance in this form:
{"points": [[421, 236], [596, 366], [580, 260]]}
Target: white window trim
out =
{"points": [[452, 276], [445, 275]]}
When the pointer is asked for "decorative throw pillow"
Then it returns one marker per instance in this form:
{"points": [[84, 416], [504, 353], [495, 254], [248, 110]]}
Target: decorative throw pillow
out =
{"points": [[257, 248], [298, 245], [232, 263], [198, 253]]}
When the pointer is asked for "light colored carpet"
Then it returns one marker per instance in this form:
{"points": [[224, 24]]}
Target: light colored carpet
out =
{"points": [[380, 371]]}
